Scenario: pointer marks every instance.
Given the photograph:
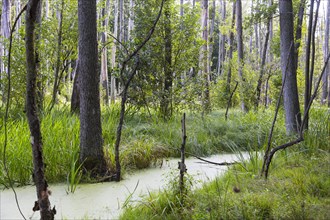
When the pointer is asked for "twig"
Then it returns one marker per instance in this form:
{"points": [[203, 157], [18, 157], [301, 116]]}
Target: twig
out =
{"points": [[7, 110]]}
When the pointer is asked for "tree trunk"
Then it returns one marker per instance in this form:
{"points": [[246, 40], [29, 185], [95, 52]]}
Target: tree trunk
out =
{"points": [[204, 58], [58, 56], [104, 55], [291, 100], [300, 20], [113, 54], [239, 30], [5, 33], [75, 101], [211, 38], [325, 90], [166, 101], [91, 150], [262, 69], [43, 203], [231, 48], [222, 40]]}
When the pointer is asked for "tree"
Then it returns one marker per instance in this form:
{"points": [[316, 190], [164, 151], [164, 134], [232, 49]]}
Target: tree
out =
{"points": [[239, 29], [104, 55], [325, 89], [43, 204], [290, 93], [205, 72], [166, 100], [91, 150]]}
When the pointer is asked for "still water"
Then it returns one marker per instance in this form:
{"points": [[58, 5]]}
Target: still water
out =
{"points": [[105, 200]]}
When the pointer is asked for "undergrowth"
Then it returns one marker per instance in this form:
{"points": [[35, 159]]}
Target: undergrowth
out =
{"points": [[146, 139], [298, 186]]}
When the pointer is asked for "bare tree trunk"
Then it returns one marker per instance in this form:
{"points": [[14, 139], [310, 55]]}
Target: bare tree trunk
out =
{"points": [[43, 203], [222, 39], [58, 56], [204, 58], [239, 30], [166, 101], [231, 48], [91, 142], [262, 69], [5, 34], [325, 90], [300, 20], [113, 54], [104, 55], [211, 37], [291, 100], [130, 19], [75, 101]]}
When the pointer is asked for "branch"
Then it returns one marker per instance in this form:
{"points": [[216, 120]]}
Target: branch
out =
{"points": [[275, 116], [301, 132], [7, 109]]}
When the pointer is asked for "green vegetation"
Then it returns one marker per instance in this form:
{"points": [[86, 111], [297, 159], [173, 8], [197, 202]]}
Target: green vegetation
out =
{"points": [[298, 187], [146, 140]]}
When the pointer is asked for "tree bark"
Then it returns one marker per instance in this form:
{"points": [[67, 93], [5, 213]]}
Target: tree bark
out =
{"points": [[91, 149], [291, 100], [204, 58], [222, 39], [325, 90], [113, 54], [104, 55], [231, 49], [43, 203], [240, 45], [300, 19], [166, 101], [5, 34]]}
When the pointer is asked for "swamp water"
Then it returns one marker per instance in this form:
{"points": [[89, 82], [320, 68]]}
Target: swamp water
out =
{"points": [[105, 200]]}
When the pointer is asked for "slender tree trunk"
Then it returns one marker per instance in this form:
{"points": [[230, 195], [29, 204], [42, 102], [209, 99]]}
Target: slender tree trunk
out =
{"points": [[43, 203], [58, 56], [325, 82], [311, 72], [113, 54], [130, 19], [91, 142], [204, 58], [239, 30], [5, 34], [307, 61], [104, 55], [291, 100], [262, 69], [231, 48], [211, 38], [75, 101], [166, 102], [300, 19]]}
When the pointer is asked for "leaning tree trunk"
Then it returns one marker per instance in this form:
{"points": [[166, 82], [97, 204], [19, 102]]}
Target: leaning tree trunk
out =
{"points": [[325, 89], [91, 143], [291, 100], [43, 203]]}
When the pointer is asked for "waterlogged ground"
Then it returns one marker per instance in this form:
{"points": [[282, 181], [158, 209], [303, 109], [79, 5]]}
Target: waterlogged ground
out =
{"points": [[106, 200]]}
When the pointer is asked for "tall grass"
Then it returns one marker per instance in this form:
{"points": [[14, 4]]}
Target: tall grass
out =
{"points": [[145, 139], [297, 189]]}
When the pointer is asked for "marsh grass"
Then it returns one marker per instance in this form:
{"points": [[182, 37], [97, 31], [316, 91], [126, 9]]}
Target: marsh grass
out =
{"points": [[146, 139], [298, 187]]}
